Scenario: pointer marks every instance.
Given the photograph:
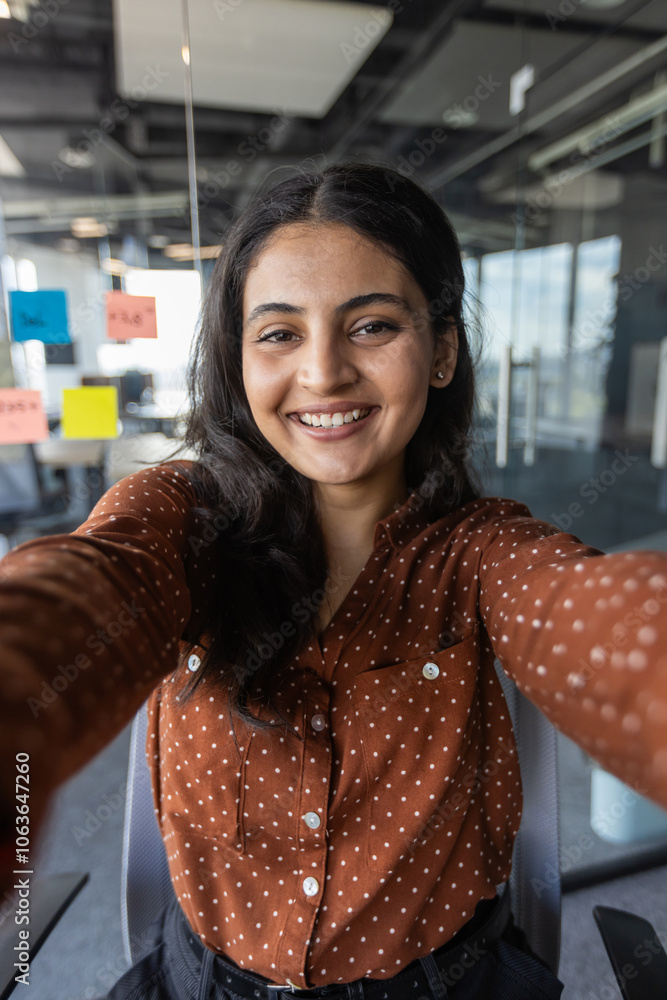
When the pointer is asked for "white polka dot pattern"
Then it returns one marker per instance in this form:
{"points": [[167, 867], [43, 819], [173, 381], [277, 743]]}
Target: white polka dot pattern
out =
{"points": [[365, 837]]}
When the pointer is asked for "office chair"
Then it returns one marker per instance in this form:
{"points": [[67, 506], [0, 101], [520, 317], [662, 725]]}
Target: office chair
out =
{"points": [[27, 502]]}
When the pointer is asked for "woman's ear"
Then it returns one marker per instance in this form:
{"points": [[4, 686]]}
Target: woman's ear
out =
{"points": [[445, 355]]}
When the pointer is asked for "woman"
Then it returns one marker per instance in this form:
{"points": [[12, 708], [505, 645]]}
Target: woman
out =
{"points": [[313, 609]]}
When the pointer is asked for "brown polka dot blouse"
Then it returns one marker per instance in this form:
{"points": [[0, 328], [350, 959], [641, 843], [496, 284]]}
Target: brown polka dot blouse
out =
{"points": [[364, 838]]}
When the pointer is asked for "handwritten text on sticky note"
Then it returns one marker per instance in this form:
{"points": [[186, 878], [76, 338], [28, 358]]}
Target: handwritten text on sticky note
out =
{"points": [[130, 316], [90, 412], [22, 417], [39, 316]]}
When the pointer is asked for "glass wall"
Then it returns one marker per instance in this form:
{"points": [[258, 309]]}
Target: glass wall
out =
{"points": [[574, 318], [132, 133]]}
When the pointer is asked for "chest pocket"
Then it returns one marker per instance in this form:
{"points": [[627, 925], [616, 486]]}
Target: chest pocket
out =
{"points": [[202, 770], [413, 725]]}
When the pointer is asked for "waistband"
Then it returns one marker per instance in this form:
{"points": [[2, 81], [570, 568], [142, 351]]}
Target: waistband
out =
{"points": [[470, 944]]}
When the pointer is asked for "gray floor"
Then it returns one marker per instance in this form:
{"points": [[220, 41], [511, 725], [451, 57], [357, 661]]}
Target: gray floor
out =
{"points": [[84, 954], [585, 968]]}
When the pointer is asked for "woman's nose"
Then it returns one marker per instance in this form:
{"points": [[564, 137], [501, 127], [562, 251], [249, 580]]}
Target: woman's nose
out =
{"points": [[325, 364]]}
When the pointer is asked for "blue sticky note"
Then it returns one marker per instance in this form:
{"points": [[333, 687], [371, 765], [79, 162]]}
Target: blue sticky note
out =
{"points": [[39, 316]]}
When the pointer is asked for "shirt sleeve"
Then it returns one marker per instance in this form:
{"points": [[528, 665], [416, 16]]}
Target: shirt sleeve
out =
{"points": [[584, 636], [89, 624]]}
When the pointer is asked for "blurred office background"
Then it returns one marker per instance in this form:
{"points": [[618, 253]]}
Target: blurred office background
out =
{"points": [[133, 132]]}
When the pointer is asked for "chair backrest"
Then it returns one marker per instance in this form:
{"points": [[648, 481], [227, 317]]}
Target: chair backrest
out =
{"points": [[534, 883], [19, 481], [535, 880], [146, 885]]}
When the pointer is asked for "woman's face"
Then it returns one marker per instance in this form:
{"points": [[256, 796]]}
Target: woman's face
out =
{"points": [[334, 327]]}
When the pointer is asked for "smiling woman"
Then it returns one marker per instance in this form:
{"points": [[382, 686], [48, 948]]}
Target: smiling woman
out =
{"points": [[323, 594], [332, 372], [338, 384]]}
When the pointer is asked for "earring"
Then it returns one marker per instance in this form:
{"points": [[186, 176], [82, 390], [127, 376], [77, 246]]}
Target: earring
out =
{"points": [[439, 375]]}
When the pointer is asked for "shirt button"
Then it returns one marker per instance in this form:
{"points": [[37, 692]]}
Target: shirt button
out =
{"points": [[318, 722], [312, 819], [430, 670], [311, 886], [194, 662]]}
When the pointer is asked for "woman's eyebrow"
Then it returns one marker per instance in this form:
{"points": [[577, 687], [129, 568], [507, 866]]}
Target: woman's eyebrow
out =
{"points": [[357, 302], [269, 307], [373, 297]]}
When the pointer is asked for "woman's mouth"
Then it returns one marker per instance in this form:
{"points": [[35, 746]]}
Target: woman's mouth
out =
{"points": [[333, 426], [332, 419]]}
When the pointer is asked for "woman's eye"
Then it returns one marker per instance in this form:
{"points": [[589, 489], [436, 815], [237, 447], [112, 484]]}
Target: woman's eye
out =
{"points": [[373, 328], [376, 326], [275, 333]]}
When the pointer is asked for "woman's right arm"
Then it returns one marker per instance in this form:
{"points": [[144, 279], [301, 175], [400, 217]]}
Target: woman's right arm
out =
{"points": [[89, 624]]}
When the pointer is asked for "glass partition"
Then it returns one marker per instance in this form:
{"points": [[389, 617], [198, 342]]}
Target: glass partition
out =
{"points": [[539, 126]]}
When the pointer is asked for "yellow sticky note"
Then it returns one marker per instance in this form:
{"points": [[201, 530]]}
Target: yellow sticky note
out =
{"points": [[90, 412]]}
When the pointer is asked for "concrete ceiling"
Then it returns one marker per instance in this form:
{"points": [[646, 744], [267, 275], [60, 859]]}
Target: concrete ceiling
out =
{"points": [[349, 81]]}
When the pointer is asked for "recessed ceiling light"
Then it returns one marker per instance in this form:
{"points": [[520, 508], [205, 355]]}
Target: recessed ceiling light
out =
{"points": [[602, 4], [86, 226], [459, 117], [111, 265], [185, 251], [75, 158]]}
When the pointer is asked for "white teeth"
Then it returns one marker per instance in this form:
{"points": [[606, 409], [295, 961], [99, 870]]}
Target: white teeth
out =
{"points": [[331, 419]]}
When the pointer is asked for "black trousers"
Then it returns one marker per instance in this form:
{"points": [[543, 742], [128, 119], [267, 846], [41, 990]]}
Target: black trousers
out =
{"points": [[171, 971]]}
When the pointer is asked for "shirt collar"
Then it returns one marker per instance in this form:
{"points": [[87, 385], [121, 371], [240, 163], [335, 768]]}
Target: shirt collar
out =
{"points": [[402, 525]]}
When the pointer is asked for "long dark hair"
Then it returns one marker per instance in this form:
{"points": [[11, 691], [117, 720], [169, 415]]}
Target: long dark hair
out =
{"points": [[258, 510]]}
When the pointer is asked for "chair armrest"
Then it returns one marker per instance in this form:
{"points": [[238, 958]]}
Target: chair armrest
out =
{"points": [[49, 898], [635, 951]]}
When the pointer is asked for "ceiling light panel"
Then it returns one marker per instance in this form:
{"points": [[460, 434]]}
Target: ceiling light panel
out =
{"points": [[292, 57]]}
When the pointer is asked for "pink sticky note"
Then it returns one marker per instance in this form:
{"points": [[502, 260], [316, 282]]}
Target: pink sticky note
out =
{"points": [[22, 417], [130, 316]]}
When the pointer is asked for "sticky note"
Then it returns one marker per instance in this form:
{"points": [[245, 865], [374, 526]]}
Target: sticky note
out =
{"points": [[39, 316], [90, 412], [130, 316], [22, 417]]}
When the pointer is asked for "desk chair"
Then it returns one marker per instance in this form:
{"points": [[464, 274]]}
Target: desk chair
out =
{"points": [[534, 884], [26, 501]]}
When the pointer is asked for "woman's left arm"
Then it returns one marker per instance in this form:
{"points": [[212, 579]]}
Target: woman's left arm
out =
{"points": [[584, 636]]}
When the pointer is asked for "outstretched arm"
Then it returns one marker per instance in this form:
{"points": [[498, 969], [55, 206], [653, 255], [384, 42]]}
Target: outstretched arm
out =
{"points": [[89, 624], [584, 636]]}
